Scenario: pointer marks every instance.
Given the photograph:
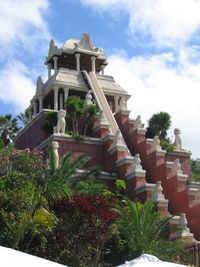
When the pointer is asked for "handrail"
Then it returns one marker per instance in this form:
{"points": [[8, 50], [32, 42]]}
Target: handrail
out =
{"points": [[101, 99]]}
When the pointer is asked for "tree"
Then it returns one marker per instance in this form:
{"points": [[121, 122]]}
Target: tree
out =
{"points": [[195, 168], [144, 231], [75, 109], [23, 118], [8, 128], [91, 111], [28, 191], [159, 123]]}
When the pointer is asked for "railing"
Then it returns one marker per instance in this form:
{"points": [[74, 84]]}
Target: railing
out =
{"points": [[194, 255]]}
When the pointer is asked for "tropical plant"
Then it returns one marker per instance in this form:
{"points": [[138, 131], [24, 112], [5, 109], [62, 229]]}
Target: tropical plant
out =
{"points": [[144, 231], [50, 121], [195, 168], [23, 118], [8, 128], [28, 189], [159, 123], [166, 145], [75, 109], [84, 226], [91, 112]]}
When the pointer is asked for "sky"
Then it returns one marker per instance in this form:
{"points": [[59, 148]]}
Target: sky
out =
{"points": [[153, 49]]}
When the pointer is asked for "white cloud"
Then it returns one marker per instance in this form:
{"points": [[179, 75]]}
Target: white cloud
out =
{"points": [[17, 16], [169, 23], [24, 34], [157, 86], [16, 86]]}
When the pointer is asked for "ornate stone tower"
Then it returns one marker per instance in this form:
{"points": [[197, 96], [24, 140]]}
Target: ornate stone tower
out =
{"points": [[117, 143]]}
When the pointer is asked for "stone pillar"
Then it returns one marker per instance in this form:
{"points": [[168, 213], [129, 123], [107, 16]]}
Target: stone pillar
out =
{"points": [[61, 101], [55, 62], [34, 109], [102, 69], [66, 92], [55, 97], [116, 103], [93, 59], [49, 69], [29, 115], [77, 61], [40, 103]]}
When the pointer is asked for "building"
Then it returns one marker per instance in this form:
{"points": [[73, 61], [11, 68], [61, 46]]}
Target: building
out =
{"points": [[116, 142]]}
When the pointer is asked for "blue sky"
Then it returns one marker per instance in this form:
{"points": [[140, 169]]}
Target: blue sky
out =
{"points": [[153, 49]]}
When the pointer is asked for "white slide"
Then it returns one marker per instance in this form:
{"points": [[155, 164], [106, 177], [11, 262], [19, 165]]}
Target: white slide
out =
{"points": [[101, 100]]}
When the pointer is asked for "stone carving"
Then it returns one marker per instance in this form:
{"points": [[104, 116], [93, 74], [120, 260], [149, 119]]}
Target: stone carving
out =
{"points": [[88, 98], [52, 47], [156, 143], [61, 124], [137, 163], [118, 140], [178, 140], [183, 221], [86, 44], [101, 117], [177, 167], [123, 104], [39, 86], [138, 123], [55, 146], [157, 193]]}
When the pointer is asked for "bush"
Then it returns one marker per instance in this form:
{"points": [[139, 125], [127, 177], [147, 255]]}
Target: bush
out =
{"points": [[49, 122]]}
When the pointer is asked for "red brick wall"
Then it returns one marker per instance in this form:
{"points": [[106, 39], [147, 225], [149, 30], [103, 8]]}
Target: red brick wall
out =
{"points": [[184, 160], [32, 135]]}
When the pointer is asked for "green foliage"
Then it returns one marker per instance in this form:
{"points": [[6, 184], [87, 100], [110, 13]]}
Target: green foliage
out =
{"points": [[91, 112], [195, 168], [89, 187], [85, 225], [49, 122], [8, 128], [159, 123], [75, 109], [166, 145], [144, 231], [23, 118], [120, 187]]}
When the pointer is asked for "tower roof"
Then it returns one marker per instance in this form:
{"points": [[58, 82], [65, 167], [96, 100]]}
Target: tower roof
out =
{"points": [[72, 46]]}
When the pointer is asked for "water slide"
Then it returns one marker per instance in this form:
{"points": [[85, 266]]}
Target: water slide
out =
{"points": [[101, 99]]}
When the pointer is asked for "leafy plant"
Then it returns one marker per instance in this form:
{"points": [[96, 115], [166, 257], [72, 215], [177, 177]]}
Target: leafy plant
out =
{"points": [[75, 109], [91, 112], [166, 145], [8, 128], [159, 123], [144, 231], [49, 122]]}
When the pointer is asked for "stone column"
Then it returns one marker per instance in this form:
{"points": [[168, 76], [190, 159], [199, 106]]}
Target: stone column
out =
{"points": [[40, 103], [93, 59], [34, 109], [66, 92], [55, 89], [77, 61], [49, 69], [55, 62], [116, 103], [29, 115], [61, 101], [102, 69]]}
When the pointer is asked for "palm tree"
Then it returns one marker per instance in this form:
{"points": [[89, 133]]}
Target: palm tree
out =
{"points": [[8, 128], [145, 231], [23, 118], [159, 123]]}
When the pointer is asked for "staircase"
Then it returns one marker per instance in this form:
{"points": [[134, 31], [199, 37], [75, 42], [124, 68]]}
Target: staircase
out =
{"points": [[142, 164], [182, 198]]}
